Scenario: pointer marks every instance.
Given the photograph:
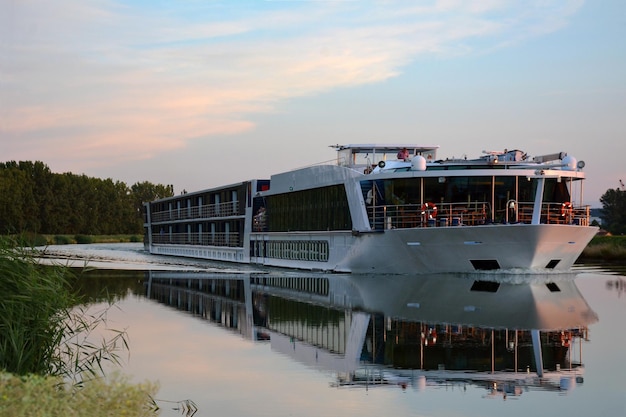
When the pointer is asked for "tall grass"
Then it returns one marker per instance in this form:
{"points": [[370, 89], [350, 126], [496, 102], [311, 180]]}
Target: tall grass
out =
{"points": [[33, 308], [42, 331]]}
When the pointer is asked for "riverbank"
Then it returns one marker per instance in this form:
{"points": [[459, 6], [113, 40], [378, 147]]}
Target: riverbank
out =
{"points": [[36, 239], [605, 248]]}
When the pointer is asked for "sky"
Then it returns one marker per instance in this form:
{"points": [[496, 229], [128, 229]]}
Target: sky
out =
{"points": [[201, 93]]}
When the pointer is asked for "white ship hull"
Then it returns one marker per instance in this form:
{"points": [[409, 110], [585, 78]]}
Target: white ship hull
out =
{"points": [[467, 249], [421, 250]]}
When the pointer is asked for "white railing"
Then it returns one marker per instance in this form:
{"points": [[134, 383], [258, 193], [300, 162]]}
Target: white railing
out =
{"points": [[229, 208], [471, 214]]}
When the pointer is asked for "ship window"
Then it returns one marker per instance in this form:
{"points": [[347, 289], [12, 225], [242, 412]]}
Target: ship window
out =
{"points": [[296, 250], [555, 191], [553, 287], [316, 209]]}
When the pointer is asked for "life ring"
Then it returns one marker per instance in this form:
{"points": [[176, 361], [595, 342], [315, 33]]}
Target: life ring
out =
{"points": [[565, 339], [566, 209], [429, 210]]}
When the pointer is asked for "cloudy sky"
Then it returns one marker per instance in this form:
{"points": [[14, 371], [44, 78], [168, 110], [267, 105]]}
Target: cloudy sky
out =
{"points": [[198, 93]]}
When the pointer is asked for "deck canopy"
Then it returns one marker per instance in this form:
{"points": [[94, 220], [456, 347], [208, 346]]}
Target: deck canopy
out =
{"points": [[360, 155]]}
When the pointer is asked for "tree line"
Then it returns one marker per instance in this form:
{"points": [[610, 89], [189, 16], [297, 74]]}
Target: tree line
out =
{"points": [[34, 199]]}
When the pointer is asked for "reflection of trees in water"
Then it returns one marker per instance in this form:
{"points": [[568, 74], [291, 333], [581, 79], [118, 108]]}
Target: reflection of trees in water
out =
{"points": [[99, 285], [618, 285]]}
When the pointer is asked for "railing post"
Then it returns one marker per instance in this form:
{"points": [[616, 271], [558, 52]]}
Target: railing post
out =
{"points": [[536, 338], [538, 201], [511, 207]]}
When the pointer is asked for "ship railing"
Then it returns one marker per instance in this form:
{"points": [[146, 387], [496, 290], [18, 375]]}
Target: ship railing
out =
{"points": [[231, 239], [428, 215], [226, 209], [554, 213], [472, 214]]}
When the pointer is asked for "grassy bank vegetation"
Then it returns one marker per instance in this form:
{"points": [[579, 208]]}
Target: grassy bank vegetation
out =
{"points": [[36, 395], [605, 248], [34, 239], [68, 239]]}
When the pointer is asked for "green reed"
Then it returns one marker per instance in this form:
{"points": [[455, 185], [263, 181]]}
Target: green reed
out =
{"points": [[32, 309], [42, 328]]}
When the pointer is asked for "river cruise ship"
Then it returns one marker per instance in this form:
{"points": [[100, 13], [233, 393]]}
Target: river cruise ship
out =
{"points": [[394, 209]]}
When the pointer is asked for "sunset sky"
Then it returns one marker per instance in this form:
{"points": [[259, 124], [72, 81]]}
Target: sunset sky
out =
{"points": [[201, 93]]}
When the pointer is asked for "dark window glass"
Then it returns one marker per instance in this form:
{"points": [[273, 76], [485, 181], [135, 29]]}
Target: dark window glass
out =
{"points": [[317, 209]]}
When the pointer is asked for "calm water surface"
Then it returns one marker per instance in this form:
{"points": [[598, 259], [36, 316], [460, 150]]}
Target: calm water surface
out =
{"points": [[280, 343]]}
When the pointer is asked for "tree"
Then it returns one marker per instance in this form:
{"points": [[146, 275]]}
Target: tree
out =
{"points": [[145, 191], [614, 211], [17, 203]]}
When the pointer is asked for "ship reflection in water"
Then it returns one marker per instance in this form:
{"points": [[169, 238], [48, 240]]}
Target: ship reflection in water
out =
{"points": [[487, 330]]}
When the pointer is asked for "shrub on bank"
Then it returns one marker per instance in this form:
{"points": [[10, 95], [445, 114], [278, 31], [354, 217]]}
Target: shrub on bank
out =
{"points": [[83, 239], [31, 239], [606, 248], [87, 239], [62, 240], [604, 252]]}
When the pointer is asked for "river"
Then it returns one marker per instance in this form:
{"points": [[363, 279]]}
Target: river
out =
{"points": [[246, 341]]}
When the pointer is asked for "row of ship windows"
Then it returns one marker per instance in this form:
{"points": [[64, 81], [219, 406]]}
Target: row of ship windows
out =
{"points": [[299, 250], [332, 336]]}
